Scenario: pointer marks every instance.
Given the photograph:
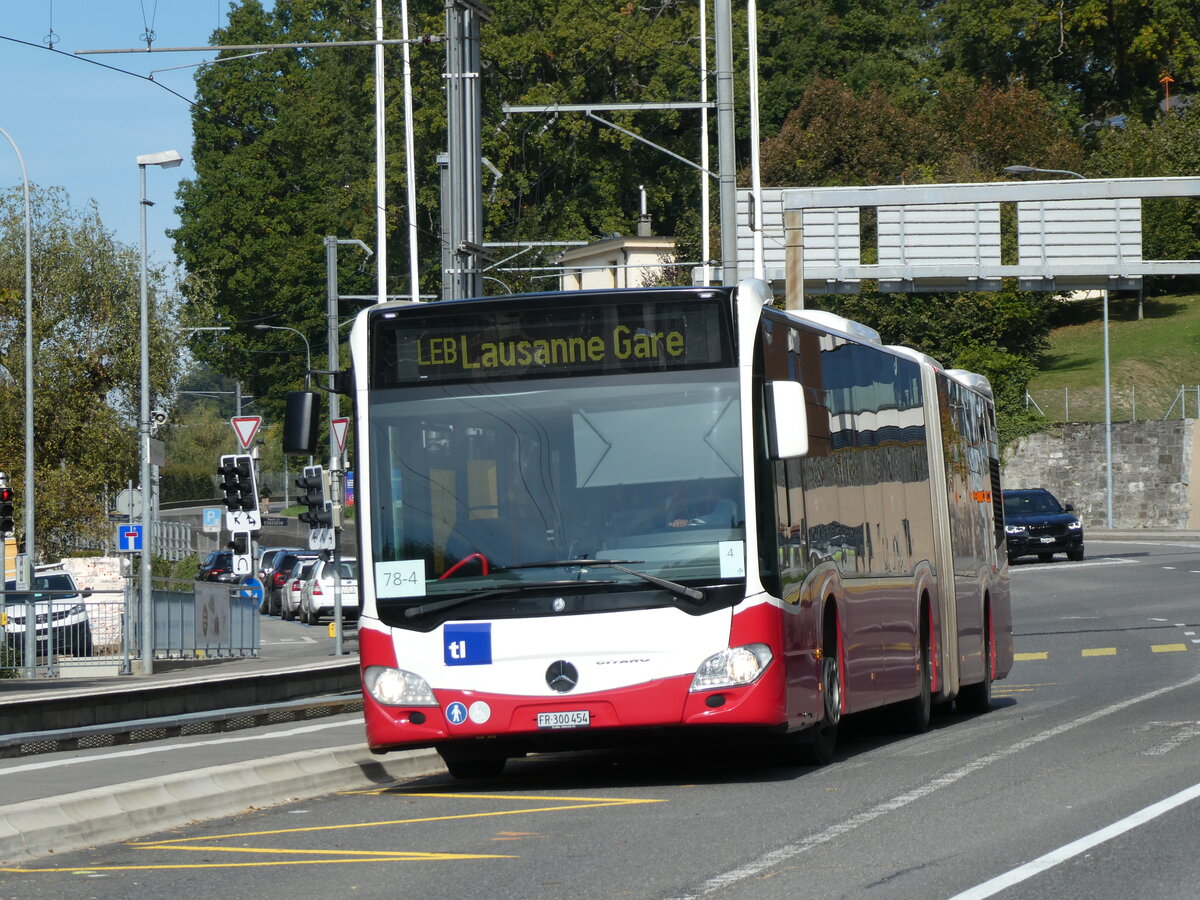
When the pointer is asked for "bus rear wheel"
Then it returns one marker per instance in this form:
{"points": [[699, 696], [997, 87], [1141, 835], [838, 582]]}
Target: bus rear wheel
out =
{"points": [[977, 697], [915, 714]]}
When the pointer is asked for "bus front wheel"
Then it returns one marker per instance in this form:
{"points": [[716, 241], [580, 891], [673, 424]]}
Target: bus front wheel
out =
{"points": [[462, 764]]}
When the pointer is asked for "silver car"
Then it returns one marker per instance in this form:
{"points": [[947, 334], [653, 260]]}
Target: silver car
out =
{"points": [[317, 596], [293, 587]]}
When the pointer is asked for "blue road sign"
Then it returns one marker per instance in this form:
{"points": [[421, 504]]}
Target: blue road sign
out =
{"points": [[129, 538], [252, 587], [212, 518]]}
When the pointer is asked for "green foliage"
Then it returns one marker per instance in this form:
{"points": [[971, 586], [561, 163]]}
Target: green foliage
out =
{"points": [[86, 363], [1168, 147]]}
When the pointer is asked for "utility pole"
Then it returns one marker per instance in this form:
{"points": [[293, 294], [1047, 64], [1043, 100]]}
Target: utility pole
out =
{"points": [[462, 174]]}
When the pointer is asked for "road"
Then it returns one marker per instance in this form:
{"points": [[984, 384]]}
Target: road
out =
{"points": [[1082, 782]]}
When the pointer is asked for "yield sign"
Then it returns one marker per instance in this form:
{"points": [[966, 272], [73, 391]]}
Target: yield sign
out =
{"points": [[245, 427], [339, 428]]}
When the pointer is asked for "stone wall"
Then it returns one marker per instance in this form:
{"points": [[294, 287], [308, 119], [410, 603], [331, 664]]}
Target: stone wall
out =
{"points": [[1154, 471]]}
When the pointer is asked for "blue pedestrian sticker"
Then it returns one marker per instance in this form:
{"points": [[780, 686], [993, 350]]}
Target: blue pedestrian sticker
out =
{"points": [[456, 713], [468, 645]]}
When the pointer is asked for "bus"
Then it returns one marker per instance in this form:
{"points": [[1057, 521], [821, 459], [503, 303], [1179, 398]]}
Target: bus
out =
{"points": [[587, 518]]}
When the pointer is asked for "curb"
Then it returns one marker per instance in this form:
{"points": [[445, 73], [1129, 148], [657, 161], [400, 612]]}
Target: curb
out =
{"points": [[38, 828]]}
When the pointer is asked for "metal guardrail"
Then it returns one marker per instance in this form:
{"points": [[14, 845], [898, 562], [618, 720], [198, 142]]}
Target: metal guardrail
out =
{"points": [[97, 633], [155, 729]]}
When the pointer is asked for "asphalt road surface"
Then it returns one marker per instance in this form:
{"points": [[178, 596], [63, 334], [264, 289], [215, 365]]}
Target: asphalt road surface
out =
{"points": [[1082, 782]]}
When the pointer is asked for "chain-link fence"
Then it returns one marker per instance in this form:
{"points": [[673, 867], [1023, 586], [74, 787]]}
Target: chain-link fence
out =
{"points": [[1127, 403]]}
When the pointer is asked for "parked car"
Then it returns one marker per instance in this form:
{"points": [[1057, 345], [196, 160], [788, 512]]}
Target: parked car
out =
{"points": [[317, 599], [1036, 524], [289, 603], [279, 577], [268, 558], [217, 566], [59, 614]]}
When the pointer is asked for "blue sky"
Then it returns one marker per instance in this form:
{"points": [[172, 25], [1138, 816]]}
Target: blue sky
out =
{"points": [[80, 126]]}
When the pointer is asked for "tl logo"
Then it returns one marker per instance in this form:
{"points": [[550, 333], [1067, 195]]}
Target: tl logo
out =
{"points": [[467, 645]]}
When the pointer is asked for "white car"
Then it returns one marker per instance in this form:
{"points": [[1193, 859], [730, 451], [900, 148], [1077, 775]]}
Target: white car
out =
{"points": [[318, 598], [289, 594], [58, 609]]}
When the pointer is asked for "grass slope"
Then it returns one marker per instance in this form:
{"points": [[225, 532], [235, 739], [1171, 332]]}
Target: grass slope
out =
{"points": [[1149, 360]]}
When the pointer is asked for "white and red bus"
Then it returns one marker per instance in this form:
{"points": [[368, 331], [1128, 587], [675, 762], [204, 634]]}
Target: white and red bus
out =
{"points": [[592, 516]]}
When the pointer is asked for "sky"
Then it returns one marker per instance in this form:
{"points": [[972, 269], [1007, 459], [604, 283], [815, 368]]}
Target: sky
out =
{"points": [[80, 126]]}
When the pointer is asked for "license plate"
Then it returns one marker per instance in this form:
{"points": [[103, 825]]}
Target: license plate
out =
{"points": [[1047, 540], [576, 718]]}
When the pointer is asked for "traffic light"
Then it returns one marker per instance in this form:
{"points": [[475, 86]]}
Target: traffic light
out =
{"points": [[240, 542], [314, 487], [6, 510], [237, 482]]}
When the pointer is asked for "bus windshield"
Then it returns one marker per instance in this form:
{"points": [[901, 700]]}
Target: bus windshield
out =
{"points": [[475, 486]]}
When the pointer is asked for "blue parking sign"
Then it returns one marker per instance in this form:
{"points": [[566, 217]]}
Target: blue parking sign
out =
{"points": [[129, 538]]}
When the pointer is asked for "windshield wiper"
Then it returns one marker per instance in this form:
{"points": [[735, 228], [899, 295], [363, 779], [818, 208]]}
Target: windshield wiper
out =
{"points": [[680, 590], [491, 593]]}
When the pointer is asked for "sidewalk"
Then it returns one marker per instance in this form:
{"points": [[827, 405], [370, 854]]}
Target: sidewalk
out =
{"points": [[58, 801]]}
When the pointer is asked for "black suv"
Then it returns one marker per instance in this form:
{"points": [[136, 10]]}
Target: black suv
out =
{"points": [[1037, 524], [217, 566]]}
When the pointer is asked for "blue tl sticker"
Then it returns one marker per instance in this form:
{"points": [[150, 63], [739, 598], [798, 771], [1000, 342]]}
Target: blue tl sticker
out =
{"points": [[468, 645]]}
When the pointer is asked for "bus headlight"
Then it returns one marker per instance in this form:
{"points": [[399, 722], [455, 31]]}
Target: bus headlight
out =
{"points": [[732, 667], [396, 687]]}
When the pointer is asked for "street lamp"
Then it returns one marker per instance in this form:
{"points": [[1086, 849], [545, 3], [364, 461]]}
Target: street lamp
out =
{"points": [[1108, 477], [1029, 170], [29, 547], [307, 348], [167, 159]]}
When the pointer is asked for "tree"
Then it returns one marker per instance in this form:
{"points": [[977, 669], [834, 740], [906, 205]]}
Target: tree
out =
{"points": [[86, 363]]}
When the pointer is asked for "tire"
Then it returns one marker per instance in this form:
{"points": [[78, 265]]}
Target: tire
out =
{"points": [[471, 765], [915, 714], [285, 612], [977, 698], [816, 745], [1075, 554]]}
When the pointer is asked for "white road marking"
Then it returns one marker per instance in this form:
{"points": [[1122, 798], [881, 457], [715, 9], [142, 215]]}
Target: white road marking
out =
{"points": [[780, 855], [1073, 849], [158, 747]]}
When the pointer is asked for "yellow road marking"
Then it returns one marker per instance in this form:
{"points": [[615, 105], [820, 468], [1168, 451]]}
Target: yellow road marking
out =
{"points": [[1168, 648], [1101, 651], [1021, 657], [330, 857], [590, 803]]}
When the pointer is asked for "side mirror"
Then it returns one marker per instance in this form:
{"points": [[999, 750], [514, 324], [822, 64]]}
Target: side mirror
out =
{"points": [[301, 420], [787, 419]]}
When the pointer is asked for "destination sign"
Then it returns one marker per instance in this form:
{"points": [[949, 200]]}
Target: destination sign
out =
{"points": [[531, 338]]}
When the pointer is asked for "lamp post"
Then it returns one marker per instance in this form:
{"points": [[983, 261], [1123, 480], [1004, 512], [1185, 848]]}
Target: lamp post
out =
{"points": [[307, 348], [166, 159], [1108, 476], [29, 522], [1029, 170]]}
